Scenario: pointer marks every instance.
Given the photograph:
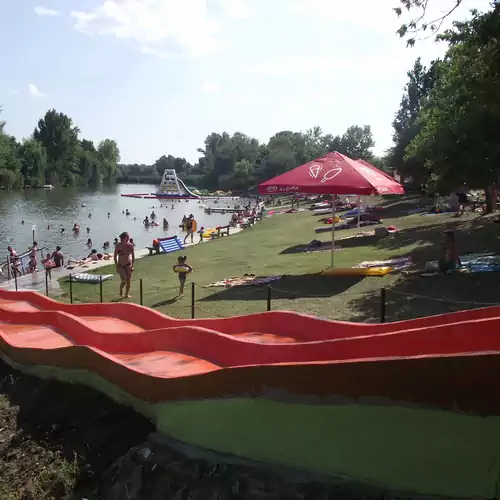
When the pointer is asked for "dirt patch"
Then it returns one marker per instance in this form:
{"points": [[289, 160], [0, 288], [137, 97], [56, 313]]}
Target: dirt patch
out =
{"points": [[58, 438]]}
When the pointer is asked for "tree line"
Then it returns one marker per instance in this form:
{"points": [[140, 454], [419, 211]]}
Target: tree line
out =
{"points": [[239, 162], [446, 129], [55, 154]]}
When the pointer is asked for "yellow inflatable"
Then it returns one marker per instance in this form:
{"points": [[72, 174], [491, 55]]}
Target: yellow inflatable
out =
{"points": [[181, 269], [208, 233], [357, 271]]}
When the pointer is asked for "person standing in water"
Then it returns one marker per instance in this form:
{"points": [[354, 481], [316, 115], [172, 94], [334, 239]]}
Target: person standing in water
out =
{"points": [[33, 263], [124, 258]]}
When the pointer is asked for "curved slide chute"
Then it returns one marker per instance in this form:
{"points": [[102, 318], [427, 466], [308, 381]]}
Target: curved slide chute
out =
{"points": [[416, 391]]}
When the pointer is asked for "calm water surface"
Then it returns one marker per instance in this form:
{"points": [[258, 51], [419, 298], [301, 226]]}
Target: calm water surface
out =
{"points": [[62, 207]]}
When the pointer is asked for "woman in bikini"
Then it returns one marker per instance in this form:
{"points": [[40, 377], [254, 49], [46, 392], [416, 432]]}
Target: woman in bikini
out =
{"points": [[124, 258]]}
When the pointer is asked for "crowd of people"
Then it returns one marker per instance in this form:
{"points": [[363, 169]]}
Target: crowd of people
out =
{"points": [[35, 259]]}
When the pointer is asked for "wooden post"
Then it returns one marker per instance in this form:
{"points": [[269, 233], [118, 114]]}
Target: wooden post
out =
{"points": [[46, 282], [71, 289], [268, 298], [192, 300], [382, 305], [140, 292], [100, 287]]}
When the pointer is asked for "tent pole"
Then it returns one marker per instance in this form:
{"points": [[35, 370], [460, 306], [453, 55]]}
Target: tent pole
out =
{"points": [[359, 210], [333, 230]]}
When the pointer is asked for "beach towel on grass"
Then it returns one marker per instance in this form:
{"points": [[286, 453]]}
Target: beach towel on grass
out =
{"points": [[243, 281], [396, 264], [90, 278]]}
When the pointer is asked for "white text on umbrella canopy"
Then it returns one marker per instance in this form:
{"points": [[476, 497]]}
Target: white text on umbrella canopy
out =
{"points": [[331, 174]]}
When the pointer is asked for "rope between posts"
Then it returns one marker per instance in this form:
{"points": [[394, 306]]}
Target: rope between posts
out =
{"points": [[210, 313], [439, 299], [314, 296]]}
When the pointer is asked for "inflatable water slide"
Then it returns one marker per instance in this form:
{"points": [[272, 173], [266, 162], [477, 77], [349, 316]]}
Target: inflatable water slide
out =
{"points": [[411, 407], [173, 187]]}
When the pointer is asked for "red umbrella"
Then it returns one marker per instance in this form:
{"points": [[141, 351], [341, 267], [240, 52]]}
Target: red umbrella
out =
{"points": [[367, 164], [333, 173]]}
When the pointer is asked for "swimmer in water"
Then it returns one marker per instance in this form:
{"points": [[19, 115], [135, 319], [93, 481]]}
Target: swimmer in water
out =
{"points": [[89, 243], [88, 230]]}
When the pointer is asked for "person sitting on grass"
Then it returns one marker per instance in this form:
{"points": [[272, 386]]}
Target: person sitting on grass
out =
{"points": [[182, 261], [450, 260]]}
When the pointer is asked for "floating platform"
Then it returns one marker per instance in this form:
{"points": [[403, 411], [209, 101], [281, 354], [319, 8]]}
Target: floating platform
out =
{"points": [[134, 195], [225, 210]]}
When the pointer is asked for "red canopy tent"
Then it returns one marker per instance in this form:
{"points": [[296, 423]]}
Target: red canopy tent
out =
{"points": [[333, 174]]}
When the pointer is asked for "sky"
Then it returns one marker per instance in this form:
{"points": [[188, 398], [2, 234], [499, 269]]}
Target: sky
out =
{"points": [[158, 76]]}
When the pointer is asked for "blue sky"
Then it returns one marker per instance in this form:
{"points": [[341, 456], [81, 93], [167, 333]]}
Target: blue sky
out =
{"points": [[159, 75]]}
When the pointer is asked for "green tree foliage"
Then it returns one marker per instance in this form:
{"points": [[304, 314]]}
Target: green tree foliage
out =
{"points": [[10, 166], [33, 158], [406, 124], [238, 162], [170, 162], [423, 25], [55, 155], [459, 122], [108, 155], [59, 137], [356, 142]]}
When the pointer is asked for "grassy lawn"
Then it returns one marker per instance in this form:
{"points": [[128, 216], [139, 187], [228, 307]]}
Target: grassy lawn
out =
{"points": [[270, 248]]}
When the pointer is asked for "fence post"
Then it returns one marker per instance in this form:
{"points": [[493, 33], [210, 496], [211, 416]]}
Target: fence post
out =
{"points": [[15, 278], [8, 267], [71, 288], [192, 300], [382, 305], [46, 282], [100, 287], [140, 291], [268, 298]]}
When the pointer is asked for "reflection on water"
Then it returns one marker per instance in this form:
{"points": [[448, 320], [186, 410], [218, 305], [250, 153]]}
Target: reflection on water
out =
{"points": [[62, 207]]}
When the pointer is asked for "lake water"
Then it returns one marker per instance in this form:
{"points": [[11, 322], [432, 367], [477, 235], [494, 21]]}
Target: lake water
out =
{"points": [[62, 207]]}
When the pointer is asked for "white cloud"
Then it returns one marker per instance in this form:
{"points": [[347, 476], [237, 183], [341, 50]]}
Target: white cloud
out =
{"points": [[210, 87], [160, 27], [236, 9], [44, 11], [33, 90]]}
